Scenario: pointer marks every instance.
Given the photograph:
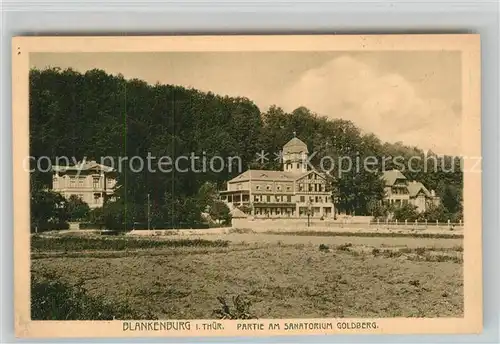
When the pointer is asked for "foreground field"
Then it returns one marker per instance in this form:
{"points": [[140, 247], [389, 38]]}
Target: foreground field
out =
{"points": [[290, 277]]}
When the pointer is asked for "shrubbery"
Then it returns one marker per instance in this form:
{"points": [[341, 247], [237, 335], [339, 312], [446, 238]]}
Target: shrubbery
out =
{"points": [[71, 243], [55, 300], [240, 309], [49, 226]]}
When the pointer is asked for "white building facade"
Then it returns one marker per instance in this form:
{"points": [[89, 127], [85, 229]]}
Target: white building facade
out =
{"points": [[296, 191], [90, 181]]}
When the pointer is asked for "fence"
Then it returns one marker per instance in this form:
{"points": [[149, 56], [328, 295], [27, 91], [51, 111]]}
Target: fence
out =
{"points": [[340, 224], [416, 223]]}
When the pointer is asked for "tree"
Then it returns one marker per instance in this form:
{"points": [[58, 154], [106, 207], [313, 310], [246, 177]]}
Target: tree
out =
{"points": [[355, 191], [379, 210], [434, 213], [451, 197], [96, 114], [207, 195], [119, 215], [47, 207], [220, 212], [406, 212], [96, 216], [77, 209]]}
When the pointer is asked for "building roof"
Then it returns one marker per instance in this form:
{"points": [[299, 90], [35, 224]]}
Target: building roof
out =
{"points": [[272, 175], [391, 176], [264, 175], [295, 145], [415, 187], [83, 166], [238, 214]]}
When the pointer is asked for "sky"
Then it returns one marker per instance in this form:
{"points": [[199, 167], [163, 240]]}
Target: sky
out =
{"points": [[408, 96]]}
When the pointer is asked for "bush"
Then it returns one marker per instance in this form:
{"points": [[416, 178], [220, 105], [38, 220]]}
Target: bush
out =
{"points": [[239, 310], [55, 300], [72, 243], [77, 209], [49, 226], [435, 213], [344, 247], [89, 225], [406, 212], [96, 215], [324, 248], [119, 216]]}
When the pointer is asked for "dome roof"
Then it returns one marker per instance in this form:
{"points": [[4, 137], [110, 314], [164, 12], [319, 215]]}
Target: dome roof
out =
{"points": [[295, 145]]}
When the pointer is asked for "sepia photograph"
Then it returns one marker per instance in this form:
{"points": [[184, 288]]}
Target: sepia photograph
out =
{"points": [[247, 185]]}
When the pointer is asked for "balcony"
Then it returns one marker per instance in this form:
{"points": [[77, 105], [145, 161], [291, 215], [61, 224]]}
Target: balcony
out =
{"points": [[273, 204]]}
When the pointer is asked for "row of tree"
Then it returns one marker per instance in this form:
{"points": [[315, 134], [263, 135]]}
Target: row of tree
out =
{"points": [[97, 115], [50, 210]]}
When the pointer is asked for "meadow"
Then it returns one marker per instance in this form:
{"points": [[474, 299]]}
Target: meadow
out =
{"points": [[245, 276]]}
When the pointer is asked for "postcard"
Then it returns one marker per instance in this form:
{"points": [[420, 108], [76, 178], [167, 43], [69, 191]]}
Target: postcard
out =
{"points": [[178, 186]]}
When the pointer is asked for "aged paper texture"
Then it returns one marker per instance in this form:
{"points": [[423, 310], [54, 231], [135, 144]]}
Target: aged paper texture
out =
{"points": [[247, 185]]}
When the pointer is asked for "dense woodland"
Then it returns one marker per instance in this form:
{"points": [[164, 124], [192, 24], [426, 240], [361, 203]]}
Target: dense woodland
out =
{"points": [[95, 114]]}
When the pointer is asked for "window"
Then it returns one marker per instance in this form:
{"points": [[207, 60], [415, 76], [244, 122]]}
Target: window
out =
{"points": [[95, 183], [310, 187], [298, 165], [278, 187], [301, 187], [71, 182], [289, 199], [302, 199], [256, 198], [288, 188], [80, 181], [269, 198], [257, 187], [268, 187]]}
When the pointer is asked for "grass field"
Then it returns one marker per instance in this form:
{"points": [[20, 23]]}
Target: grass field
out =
{"points": [[276, 276]]}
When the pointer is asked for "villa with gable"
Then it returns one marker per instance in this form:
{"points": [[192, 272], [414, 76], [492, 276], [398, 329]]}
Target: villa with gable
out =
{"points": [[88, 180], [400, 191], [296, 191]]}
